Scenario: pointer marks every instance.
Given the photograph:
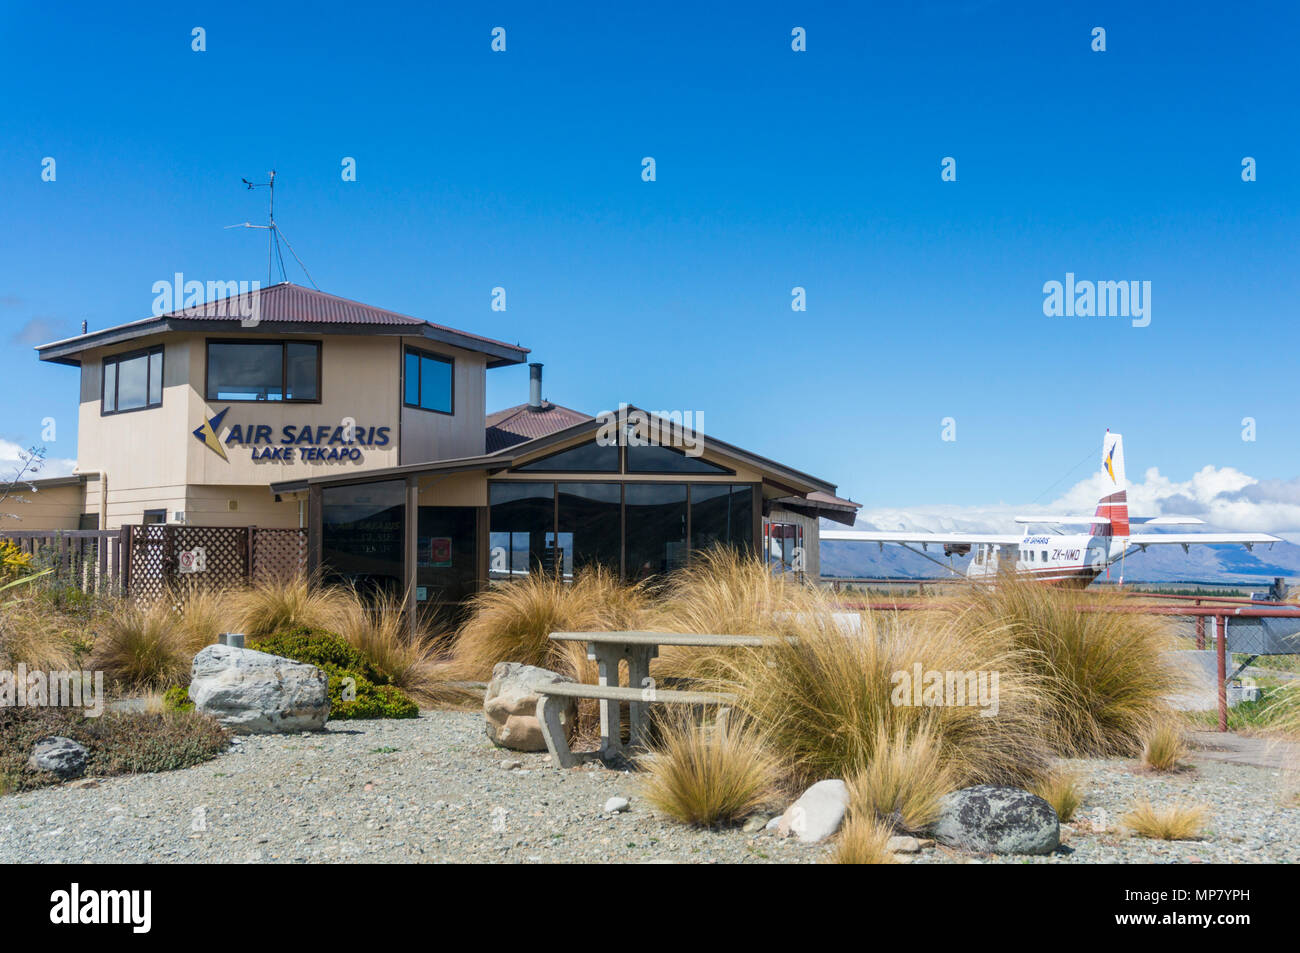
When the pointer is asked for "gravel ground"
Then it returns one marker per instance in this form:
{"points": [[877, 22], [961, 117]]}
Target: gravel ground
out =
{"points": [[434, 789]]}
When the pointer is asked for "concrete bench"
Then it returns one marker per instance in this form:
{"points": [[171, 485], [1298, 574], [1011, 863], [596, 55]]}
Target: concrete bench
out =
{"points": [[549, 707]]}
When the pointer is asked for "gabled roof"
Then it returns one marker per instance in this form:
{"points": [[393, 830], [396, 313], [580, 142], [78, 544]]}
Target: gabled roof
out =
{"points": [[282, 308], [516, 425], [793, 482]]}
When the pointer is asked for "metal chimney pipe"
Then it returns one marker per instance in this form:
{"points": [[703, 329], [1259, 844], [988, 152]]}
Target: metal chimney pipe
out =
{"points": [[534, 387]]}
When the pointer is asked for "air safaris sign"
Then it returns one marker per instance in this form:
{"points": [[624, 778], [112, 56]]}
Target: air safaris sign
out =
{"points": [[294, 443]]}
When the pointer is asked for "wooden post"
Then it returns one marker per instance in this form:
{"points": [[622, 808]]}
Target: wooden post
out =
{"points": [[315, 527], [1221, 653], [1200, 632], [412, 551]]}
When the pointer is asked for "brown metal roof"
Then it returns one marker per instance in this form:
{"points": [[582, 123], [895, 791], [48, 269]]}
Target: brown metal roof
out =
{"points": [[288, 307], [515, 425]]}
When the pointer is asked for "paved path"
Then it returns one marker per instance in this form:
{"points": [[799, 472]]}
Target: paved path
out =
{"points": [[1243, 749]]}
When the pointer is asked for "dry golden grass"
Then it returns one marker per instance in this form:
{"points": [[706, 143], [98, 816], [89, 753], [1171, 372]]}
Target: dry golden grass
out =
{"points": [[1175, 822], [379, 628], [200, 616], [1165, 746], [902, 785], [512, 622], [863, 840], [140, 646], [1061, 790], [826, 700], [34, 635], [265, 608], [708, 775], [1103, 673]]}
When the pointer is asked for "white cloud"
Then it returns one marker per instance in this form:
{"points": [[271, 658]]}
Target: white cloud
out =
{"points": [[1225, 498], [10, 461]]}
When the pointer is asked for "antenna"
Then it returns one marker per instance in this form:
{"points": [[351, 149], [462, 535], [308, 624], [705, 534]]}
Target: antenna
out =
{"points": [[274, 255]]}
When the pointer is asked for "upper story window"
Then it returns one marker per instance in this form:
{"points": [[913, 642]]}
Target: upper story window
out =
{"points": [[263, 370], [427, 383], [132, 381]]}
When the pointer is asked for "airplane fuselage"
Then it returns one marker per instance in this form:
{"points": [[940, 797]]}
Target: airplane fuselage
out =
{"points": [[1072, 560]]}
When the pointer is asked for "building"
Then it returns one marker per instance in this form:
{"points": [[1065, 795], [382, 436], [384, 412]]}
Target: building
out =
{"points": [[369, 429]]}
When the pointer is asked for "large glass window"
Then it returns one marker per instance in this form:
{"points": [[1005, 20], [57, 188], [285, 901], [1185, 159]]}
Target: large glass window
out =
{"points": [[660, 459], [263, 370], [521, 529], [589, 457], [427, 382], [446, 566], [132, 381], [590, 525], [721, 515], [655, 521], [362, 534]]}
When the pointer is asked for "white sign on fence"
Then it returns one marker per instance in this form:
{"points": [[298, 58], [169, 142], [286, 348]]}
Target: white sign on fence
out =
{"points": [[192, 560]]}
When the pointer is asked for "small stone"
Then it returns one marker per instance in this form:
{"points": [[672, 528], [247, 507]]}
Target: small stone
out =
{"points": [[60, 756], [756, 823], [616, 805], [511, 765], [83, 783], [904, 845], [901, 858], [817, 814]]}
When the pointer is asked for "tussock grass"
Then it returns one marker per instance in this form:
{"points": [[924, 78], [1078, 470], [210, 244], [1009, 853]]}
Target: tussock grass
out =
{"points": [[39, 637], [863, 840], [827, 700], [1061, 790], [1165, 746], [902, 785], [201, 616], [708, 775], [1175, 822], [140, 646], [277, 605], [378, 628], [512, 622], [1104, 674]]}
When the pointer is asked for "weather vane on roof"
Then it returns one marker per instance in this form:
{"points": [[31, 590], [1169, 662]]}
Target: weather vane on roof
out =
{"points": [[274, 255]]}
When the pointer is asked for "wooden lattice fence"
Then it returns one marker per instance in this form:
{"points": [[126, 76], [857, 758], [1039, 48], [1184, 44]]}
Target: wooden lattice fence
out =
{"points": [[171, 557]]}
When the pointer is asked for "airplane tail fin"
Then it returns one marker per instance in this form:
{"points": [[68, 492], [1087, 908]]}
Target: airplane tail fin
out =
{"points": [[1113, 505]]}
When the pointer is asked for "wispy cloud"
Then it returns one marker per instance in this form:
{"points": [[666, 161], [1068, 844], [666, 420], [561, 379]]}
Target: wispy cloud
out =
{"points": [[1224, 497], [41, 330], [10, 461]]}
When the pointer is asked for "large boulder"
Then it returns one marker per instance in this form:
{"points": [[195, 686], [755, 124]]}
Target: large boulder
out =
{"points": [[997, 820], [61, 756], [510, 705], [817, 814], [256, 693]]}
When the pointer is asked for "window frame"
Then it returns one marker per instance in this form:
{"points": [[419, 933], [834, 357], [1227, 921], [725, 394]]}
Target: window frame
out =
{"points": [[421, 353], [117, 359], [284, 369]]}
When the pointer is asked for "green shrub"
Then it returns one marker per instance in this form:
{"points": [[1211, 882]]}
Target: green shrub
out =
{"points": [[177, 698], [375, 696], [118, 742]]}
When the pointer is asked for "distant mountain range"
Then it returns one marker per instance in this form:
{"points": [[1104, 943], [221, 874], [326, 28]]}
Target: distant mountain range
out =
{"points": [[1221, 564]]}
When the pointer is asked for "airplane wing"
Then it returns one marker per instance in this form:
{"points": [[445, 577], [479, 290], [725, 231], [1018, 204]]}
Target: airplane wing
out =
{"points": [[923, 539], [1249, 540]]}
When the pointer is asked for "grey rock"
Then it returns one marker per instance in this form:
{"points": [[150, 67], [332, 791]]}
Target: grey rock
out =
{"points": [[616, 805], [756, 823], [903, 845], [510, 705], [817, 814], [997, 820], [58, 755], [257, 693]]}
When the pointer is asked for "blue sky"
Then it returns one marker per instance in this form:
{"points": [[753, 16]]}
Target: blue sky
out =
{"points": [[775, 169]]}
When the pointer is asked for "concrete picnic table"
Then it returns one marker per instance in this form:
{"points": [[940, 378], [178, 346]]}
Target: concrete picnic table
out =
{"points": [[607, 649]]}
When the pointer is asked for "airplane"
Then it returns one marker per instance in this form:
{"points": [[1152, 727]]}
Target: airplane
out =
{"points": [[1071, 560]]}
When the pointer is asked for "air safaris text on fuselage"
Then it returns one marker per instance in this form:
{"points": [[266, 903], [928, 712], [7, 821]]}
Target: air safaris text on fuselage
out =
{"points": [[322, 444]]}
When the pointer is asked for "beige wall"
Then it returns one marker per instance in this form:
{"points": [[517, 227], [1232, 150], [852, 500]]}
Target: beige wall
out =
{"points": [[153, 460], [56, 507]]}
